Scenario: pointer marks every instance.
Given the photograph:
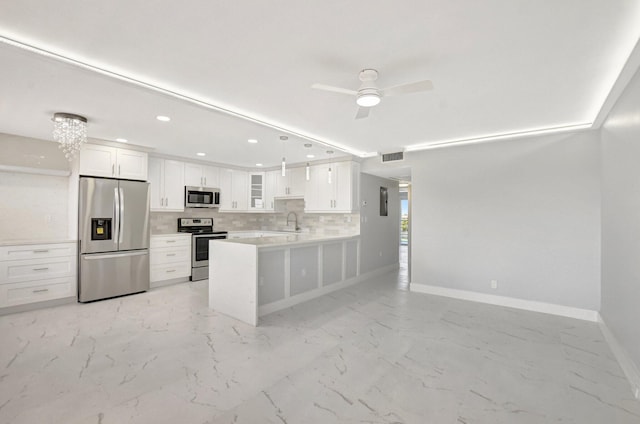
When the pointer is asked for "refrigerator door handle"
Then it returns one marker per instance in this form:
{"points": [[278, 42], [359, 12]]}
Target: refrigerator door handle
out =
{"points": [[121, 221], [93, 257], [116, 214]]}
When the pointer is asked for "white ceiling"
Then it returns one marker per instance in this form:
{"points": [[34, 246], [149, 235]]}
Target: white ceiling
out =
{"points": [[498, 67]]}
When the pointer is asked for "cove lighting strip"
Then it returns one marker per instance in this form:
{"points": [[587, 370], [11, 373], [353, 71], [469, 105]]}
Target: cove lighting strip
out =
{"points": [[496, 137], [175, 94]]}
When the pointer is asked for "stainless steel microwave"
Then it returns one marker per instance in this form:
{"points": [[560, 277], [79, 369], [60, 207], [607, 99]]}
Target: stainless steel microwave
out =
{"points": [[201, 197]]}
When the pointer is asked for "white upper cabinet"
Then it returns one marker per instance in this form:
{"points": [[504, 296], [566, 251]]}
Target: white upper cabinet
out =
{"points": [[234, 190], [113, 162], [256, 191], [271, 179], [201, 175], [166, 178], [333, 187], [292, 184]]}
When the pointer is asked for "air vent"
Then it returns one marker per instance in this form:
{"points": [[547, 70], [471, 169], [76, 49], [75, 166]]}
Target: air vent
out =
{"points": [[390, 157]]}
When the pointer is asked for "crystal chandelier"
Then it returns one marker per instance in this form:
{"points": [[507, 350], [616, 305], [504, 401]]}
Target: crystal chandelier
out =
{"points": [[70, 131]]}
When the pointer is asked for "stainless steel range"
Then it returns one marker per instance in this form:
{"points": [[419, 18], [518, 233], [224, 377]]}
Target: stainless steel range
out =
{"points": [[202, 231]]}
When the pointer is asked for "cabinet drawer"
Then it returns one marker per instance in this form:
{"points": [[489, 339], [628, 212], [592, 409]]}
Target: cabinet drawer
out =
{"points": [[167, 272], [165, 255], [36, 291], [37, 269], [37, 251], [170, 241]]}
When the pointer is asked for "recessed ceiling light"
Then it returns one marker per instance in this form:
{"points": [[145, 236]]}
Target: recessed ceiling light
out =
{"points": [[284, 138], [307, 145], [329, 152], [252, 141], [311, 156], [201, 154], [258, 164], [163, 118], [121, 140]]}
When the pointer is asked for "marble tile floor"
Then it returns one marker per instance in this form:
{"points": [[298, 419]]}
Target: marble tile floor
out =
{"points": [[367, 354]]}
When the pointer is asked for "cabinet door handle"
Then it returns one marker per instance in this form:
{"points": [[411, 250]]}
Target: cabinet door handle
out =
{"points": [[171, 254], [119, 172], [171, 241], [40, 290], [205, 181], [41, 269], [171, 270], [113, 169], [166, 201], [41, 251]]}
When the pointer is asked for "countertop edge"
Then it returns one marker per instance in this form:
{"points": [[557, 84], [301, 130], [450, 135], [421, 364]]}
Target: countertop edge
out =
{"points": [[278, 241]]}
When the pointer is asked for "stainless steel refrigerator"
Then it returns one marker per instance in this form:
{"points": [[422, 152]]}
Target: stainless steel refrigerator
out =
{"points": [[113, 231]]}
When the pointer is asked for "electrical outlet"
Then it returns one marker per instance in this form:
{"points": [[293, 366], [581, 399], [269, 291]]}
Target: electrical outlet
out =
{"points": [[637, 393], [494, 284], [380, 253], [47, 219], [304, 272]]}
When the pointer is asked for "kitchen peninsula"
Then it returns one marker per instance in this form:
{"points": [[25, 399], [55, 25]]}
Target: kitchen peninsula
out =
{"points": [[251, 277]]}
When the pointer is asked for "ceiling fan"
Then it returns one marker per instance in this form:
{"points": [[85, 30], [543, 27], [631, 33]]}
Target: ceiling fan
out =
{"points": [[369, 95]]}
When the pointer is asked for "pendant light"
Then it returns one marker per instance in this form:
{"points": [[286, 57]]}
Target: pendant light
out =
{"points": [[70, 131], [284, 162], [307, 172], [329, 176]]}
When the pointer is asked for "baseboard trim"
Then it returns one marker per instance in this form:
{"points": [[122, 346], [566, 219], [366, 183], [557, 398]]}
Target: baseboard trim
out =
{"points": [[510, 302], [303, 297], [629, 367], [38, 305], [170, 282]]}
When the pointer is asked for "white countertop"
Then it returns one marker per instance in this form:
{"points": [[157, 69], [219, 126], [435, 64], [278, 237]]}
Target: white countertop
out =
{"points": [[284, 240], [30, 242]]}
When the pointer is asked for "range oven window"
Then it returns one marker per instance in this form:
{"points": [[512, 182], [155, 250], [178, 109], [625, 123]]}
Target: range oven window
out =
{"points": [[201, 247]]}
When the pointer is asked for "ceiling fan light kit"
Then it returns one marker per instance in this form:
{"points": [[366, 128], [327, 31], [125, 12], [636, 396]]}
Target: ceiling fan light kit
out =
{"points": [[367, 98], [369, 95]]}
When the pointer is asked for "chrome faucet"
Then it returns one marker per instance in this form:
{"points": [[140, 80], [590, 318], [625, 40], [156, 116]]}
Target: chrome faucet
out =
{"points": [[296, 220]]}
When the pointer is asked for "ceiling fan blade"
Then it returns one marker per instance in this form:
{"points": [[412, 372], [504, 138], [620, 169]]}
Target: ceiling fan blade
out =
{"points": [[334, 89], [412, 87], [363, 112]]}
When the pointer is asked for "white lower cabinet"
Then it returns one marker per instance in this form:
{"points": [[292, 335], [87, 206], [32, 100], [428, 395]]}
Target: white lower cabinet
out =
{"points": [[32, 273], [170, 257]]}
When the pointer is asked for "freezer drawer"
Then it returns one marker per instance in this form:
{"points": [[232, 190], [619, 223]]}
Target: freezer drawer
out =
{"points": [[105, 275]]}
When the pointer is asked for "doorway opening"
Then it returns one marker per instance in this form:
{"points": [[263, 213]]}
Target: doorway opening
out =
{"points": [[405, 238]]}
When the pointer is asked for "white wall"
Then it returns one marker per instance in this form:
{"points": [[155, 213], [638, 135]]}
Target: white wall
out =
{"points": [[524, 212], [31, 152], [621, 220], [33, 206], [379, 235]]}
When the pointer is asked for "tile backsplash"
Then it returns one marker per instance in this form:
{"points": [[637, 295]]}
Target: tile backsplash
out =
{"points": [[313, 223]]}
